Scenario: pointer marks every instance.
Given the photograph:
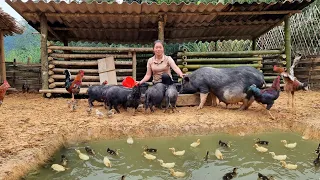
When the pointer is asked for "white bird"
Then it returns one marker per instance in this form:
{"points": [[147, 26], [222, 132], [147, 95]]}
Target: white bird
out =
{"points": [[106, 161], [166, 165], [82, 156], [177, 173], [149, 156], [260, 148], [291, 145], [218, 154], [130, 140], [278, 157], [110, 113], [288, 166], [58, 167], [177, 153], [99, 114], [195, 144]]}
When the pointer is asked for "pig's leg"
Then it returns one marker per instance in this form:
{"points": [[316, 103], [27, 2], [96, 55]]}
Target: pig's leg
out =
{"points": [[167, 104], [90, 102], [213, 99], [116, 108], [250, 101], [203, 98]]}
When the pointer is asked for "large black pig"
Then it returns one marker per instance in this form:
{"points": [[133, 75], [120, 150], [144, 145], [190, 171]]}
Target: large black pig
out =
{"points": [[229, 85], [95, 93]]}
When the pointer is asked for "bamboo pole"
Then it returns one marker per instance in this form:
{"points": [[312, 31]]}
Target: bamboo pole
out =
{"points": [[207, 60], [75, 48], [87, 63], [197, 66], [95, 71], [44, 53], [254, 44], [229, 53], [3, 73], [134, 65], [88, 56], [92, 78], [287, 40]]}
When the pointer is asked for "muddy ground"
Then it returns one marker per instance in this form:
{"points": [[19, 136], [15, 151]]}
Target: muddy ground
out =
{"points": [[33, 128]]}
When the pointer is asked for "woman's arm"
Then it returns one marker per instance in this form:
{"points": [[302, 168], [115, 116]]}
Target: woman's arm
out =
{"points": [[175, 67], [147, 76]]}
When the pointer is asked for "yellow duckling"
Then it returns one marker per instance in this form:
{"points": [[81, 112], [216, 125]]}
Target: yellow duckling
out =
{"points": [[177, 173], [106, 161], [195, 144], [291, 145], [218, 154], [288, 166], [166, 165], [82, 156], [177, 153], [149, 156], [278, 157], [58, 167], [260, 148], [130, 140]]}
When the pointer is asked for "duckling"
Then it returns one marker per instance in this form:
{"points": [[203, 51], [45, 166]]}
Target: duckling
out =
{"points": [[288, 166], [316, 162], [64, 160], [278, 157], [262, 142], [82, 156], [177, 153], [318, 149], [130, 140], [177, 173], [263, 177], [149, 149], [206, 157], [230, 175], [291, 145], [166, 165], [223, 144], [218, 154], [58, 167], [106, 161], [89, 150], [149, 156], [111, 113], [122, 177], [195, 144], [99, 113], [260, 148], [112, 152], [89, 110]]}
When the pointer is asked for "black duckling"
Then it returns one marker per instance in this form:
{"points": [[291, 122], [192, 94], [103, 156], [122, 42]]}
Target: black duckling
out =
{"points": [[230, 175], [64, 160], [262, 142], [89, 150], [112, 152], [318, 149], [206, 157], [223, 144], [123, 177], [150, 149], [263, 177], [316, 162]]}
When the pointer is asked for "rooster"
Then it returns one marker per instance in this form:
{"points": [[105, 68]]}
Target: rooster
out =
{"points": [[73, 87], [3, 89], [266, 96]]}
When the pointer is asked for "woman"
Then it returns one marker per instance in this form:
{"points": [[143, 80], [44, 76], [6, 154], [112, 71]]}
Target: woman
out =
{"points": [[159, 65]]}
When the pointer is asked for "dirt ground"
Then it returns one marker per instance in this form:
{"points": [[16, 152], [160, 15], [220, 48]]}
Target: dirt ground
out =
{"points": [[33, 128]]}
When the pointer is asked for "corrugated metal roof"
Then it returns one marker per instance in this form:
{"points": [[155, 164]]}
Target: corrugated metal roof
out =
{"points": [[136, 23], [8, 24]]}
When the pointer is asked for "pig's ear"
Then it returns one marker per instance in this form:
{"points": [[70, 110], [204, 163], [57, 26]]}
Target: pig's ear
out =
{"points": [[186, 78]]}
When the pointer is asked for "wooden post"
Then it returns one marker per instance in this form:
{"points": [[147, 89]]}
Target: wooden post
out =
{"points": [[254, 44], [287, 40], [161, 29], [2, 59], [134, 65], [44, 51]]}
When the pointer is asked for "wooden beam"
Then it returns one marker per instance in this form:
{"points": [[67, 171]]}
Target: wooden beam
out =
{"points": [[208, 38], [93, 71], [2, 59], [124, 15], [134, 65], [271, 27], [88, 56], [54, 34], [287, 41], [88, 63], [161, 29], [44, 51], [77, 48], [229, 53]]}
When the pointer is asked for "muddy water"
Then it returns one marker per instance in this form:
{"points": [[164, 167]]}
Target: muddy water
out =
{"points": [[242, 155]]}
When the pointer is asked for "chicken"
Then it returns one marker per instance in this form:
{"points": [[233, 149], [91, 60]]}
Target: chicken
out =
{"points": [[25, 87], [279, 69], [266, 96], [73, 87], [3, 89]]}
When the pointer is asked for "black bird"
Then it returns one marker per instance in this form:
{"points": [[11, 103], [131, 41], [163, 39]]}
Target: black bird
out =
{"points": [[316, 162], [263, 177], [150, 149], [112, 152], [25, 87], [64, 160], [262, 142], [223, 144], [206, 157], [230, 175], [122, 177], [318, 149], [89, 150]]}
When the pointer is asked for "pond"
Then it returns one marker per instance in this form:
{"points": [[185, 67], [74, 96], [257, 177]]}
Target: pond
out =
{"points": [[241, 154]]}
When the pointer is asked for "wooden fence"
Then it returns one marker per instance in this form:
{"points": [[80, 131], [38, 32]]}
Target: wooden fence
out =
{"points": [[308, 70]]}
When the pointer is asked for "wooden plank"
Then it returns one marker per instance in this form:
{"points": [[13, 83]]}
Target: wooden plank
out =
{"points": [[88, 56], [106, 68], [44, 52], [95, 78], [62, 91], [88, 63], [134, 65], [191, 100], [76, 48], [3, 75]]}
